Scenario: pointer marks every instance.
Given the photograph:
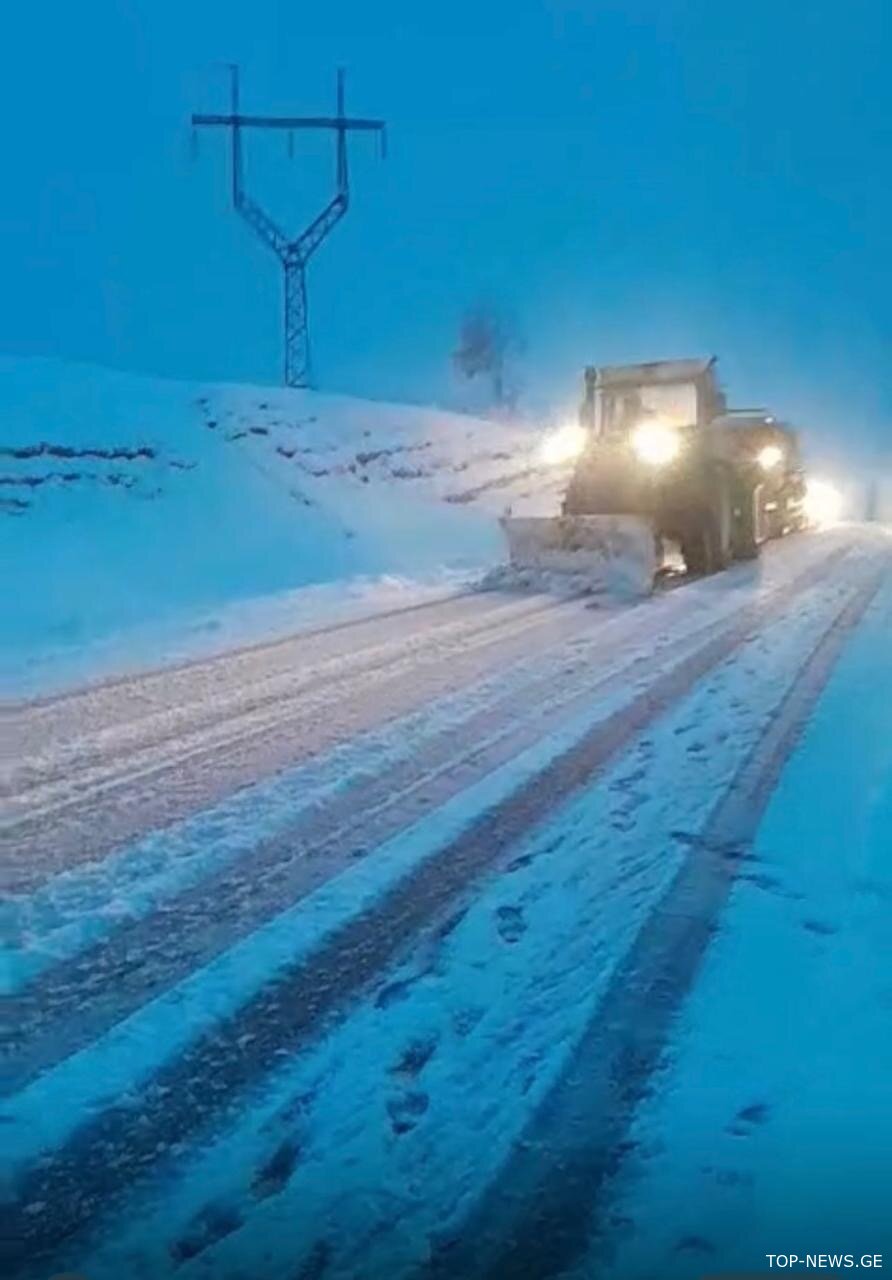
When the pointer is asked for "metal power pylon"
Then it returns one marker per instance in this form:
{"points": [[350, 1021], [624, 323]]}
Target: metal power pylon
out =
{"points": [[293, 253]]}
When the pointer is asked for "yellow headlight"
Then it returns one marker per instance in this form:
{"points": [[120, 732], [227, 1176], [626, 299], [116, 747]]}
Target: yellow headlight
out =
{"points": [[655, 443], [563, 445], [770, 457]]}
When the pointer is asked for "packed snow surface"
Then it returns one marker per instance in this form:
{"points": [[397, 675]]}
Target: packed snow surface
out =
{"points": [[304, 937], [770, 1128], [144, 519]]}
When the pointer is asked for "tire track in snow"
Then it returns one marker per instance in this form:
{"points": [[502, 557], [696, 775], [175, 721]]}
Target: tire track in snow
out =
{"points": [[71, 719], [87, 831], [538, 1216], [379, 765], [168, 789], [100, 987], [221, 1063], [86, 760], [92, 690], [62, 741], [499, 719]]}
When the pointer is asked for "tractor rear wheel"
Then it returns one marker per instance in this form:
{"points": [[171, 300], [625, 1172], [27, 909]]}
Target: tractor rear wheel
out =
{"points": [[745, 536], [702, 547]]}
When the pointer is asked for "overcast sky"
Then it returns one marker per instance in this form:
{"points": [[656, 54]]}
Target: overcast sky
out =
{"points": [[630, 179]]}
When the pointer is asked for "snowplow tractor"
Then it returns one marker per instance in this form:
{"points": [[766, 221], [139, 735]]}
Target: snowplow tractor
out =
{"points": [[665, 467], [697, 501]]}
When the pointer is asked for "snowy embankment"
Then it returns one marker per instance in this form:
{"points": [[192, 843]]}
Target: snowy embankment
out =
{"points": [[145, 520]]}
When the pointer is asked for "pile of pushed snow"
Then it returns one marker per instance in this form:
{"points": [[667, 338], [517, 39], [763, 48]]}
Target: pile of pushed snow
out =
{"points": [[135, 506]]}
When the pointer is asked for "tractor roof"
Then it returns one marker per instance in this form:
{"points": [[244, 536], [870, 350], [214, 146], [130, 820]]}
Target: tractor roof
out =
{"points": [[653, 373], [754, 420]]}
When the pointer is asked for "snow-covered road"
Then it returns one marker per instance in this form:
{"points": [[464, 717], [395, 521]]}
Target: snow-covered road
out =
{"points": [[309, 940]]}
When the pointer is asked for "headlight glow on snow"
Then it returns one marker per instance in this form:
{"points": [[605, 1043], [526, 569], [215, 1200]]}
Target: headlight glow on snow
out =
{"points": [[655, 443], [823, 502], [563, 445], [770, 457]]}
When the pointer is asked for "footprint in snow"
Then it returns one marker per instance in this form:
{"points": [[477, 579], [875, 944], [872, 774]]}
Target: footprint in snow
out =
{"points": [[733, 1178], [628, 780], [213, 1223], [415, 1057], [820, 927], [694, 1244], [874, 889], [748, 1118], [762, 881], [623, 823], [465, 1020], [518, 864], [511, 924], [274, 1174], [316, 1263], [406, 1110], [394, 992]]}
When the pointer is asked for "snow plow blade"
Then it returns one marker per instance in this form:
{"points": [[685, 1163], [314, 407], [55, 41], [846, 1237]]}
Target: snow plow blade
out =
{"points": [[577, 554]]}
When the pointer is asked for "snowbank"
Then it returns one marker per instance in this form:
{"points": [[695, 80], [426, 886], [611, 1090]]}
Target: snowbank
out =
{"points": [[143, 519]]}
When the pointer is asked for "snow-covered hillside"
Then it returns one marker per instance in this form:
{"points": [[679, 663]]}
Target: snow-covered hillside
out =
{"points": [[159, 517]]}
